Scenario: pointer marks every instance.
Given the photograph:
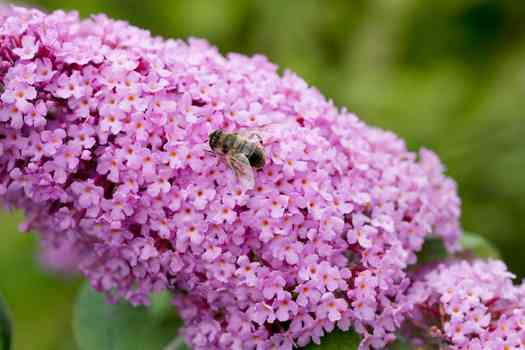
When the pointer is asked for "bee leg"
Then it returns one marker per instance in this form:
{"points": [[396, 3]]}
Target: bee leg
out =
{"points": [[211, 153]]}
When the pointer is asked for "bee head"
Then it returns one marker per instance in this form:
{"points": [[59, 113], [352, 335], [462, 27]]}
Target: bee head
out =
{"points": [[214, 138]]}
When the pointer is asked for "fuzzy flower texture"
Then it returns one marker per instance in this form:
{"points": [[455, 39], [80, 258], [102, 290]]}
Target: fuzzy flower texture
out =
{"points": [[103, 145], [468, 306]]}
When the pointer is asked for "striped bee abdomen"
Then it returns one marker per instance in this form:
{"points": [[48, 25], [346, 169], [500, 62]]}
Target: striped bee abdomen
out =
{"points": [[257, 158]]}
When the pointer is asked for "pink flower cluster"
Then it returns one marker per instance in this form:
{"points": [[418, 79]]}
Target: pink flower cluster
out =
{"points": [[468, 305], [103, 144]]}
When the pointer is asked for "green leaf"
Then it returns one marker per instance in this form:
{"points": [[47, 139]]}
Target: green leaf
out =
{"points": [[400, 344], [474, 246], [478, 246], [337, 340], [103, 326], [5, 328], [177, 344], [433, 250], [161, 307]]}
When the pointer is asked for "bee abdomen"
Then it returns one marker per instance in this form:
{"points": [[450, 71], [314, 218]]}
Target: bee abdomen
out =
{"points": [[257, 159]]}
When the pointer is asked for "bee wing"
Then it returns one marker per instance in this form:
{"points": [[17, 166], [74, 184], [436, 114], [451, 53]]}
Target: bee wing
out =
{"points": [[265, 134], [242, 168], [252, 135]]}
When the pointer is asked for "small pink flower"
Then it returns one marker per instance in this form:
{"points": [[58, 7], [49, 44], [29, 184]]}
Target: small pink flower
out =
{"points": [[35, 116], [70, 86], [28, 49], [277, 204], [191, 232], [364, 310], [285, 306], [110, 165], [44, 70], [68, 157], [292, 165], [175, 156], [13, 115], [328, 276], [112, 123], [161, 184], [287, 251], [131, 100], [365, 286], [307, 293], [119, 208], [223, 212], [247, 271], [147, 252], [310, 268], [254, 116], [89, 194], [363, 235], [83, 136], [147, 163], [201, 196], [53, 140], [163, 226], [332, 307], [19, 94], [261, 313], [273, 286]]}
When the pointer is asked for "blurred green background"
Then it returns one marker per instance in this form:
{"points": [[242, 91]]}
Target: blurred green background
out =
{"points": [[448, 75]]}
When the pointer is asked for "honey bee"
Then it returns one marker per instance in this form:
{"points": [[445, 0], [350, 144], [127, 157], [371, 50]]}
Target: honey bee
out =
{"points": [[243, 152]]}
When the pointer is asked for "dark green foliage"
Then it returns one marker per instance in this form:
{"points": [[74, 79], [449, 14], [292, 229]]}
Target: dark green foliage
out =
{"points": [[473, 246], [478, 246], [433, 251], [5, 327], [337, 340], [103, 326]]}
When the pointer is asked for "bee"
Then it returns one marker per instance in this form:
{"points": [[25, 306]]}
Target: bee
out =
{"points": [[243, 152]]}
